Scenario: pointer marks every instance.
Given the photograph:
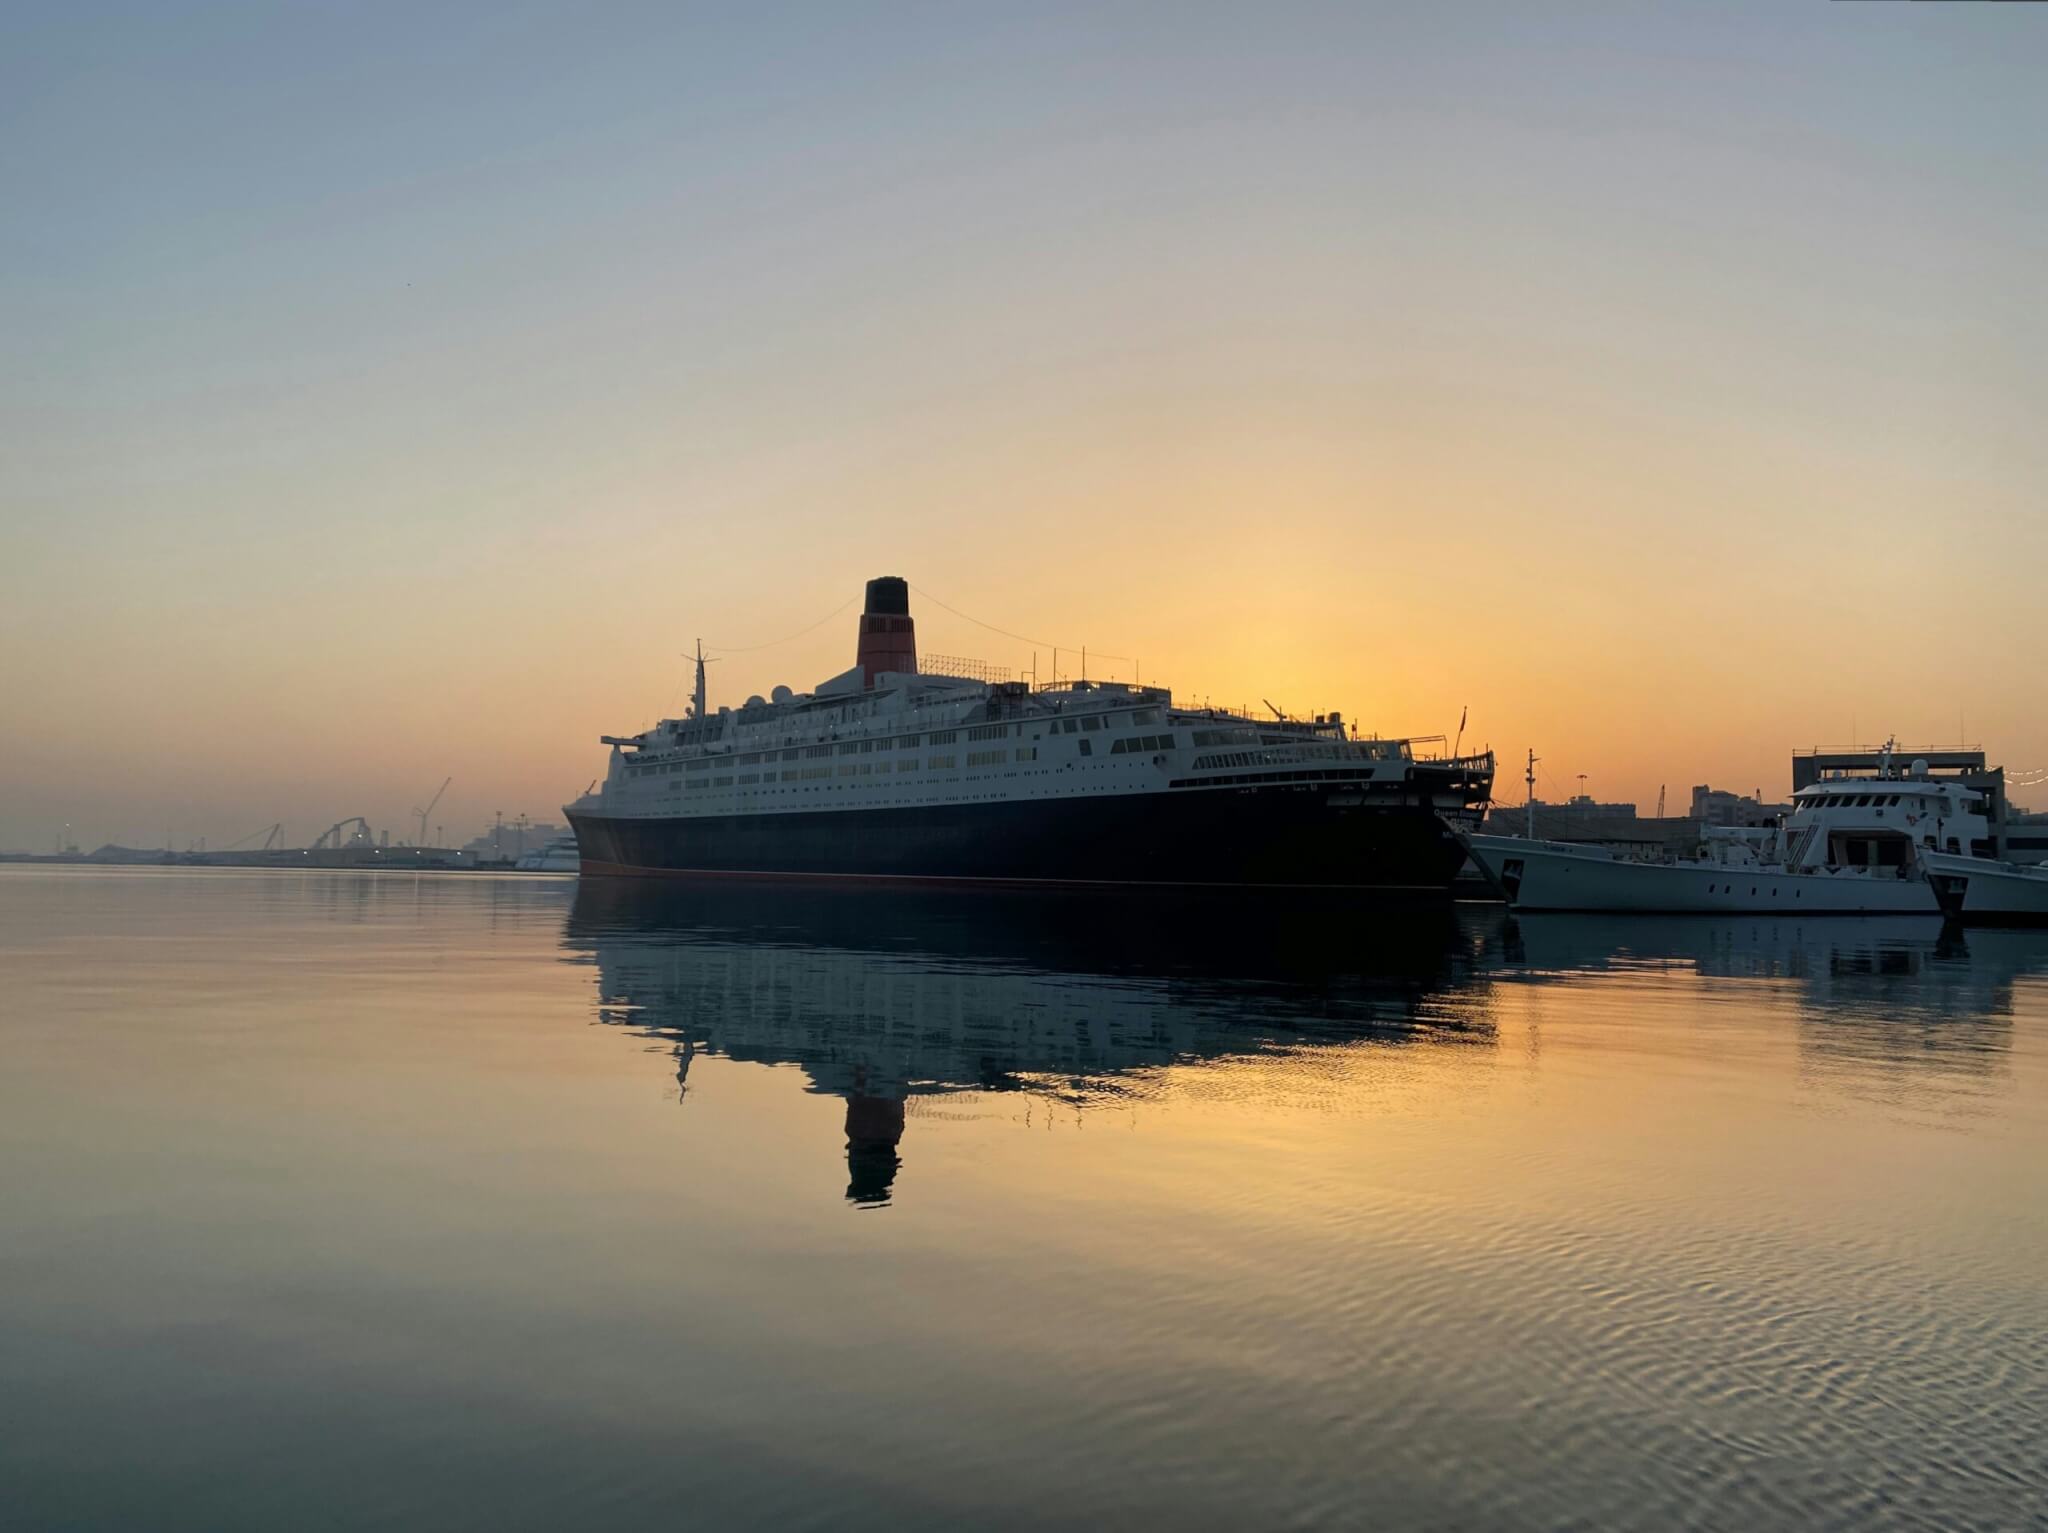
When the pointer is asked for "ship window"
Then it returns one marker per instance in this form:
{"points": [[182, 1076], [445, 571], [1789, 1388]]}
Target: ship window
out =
{"points": [[1954, 845], [747, 778], [752, 760], [986, 758], [1091, 722], [701, 764], [849, 748], [940, 761], [908, 742], [1145, 716], [1030, 753], [943, 737], [1087, 747], [789, 755], [721, 782], [813, 752]]}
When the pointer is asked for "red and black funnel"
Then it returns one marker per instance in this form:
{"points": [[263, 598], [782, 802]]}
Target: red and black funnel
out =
{"points": [[888, 635]]}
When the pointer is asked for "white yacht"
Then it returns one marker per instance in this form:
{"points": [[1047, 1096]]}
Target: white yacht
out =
{"points": [[1851, 846], [556, 856]]}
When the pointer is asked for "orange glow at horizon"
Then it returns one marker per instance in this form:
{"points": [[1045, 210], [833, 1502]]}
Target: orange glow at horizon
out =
{"points": [[399, 444]]}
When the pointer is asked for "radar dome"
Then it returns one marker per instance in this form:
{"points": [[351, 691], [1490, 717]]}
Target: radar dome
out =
{"points": [[756, 701], [782, 694], [1920, 766]]}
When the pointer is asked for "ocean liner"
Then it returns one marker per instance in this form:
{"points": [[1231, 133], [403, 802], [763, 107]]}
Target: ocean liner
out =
{"points": [[887, 771]]}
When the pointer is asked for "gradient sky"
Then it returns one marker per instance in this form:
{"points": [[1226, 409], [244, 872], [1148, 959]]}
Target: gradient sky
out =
{"points": [[396, 391]]}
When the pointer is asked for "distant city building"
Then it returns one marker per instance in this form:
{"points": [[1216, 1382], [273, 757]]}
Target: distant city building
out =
{"points": [[1717, 806], [1584, 805], [514, 837], [2026, 836], [1583, 821]]}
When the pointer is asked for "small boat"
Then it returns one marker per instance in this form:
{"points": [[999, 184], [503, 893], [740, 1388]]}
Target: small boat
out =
{"points": [[557, 856], [1980, 892]]}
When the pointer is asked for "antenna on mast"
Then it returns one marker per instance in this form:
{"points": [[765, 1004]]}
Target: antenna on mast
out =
{"points": [[1529, 808], [697, 703]]}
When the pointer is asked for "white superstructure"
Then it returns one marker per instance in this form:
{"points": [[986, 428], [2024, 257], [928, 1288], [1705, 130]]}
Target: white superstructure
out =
{"points": [[916, 741]]}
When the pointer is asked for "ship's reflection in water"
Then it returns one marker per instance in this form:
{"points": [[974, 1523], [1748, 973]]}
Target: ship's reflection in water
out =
{"points": [[882, 996], [1210, 1213], [886, 996]]}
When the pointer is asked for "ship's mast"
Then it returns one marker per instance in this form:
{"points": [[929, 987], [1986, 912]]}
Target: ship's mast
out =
{"points": [[697, 700], [1529, 807]]}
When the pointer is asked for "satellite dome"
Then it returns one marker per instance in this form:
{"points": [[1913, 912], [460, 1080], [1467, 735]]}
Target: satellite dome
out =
{"points": [[1920, 766], [756, 701], [782, 694]]}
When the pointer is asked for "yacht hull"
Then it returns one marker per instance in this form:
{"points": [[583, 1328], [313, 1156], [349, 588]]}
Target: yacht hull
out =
{"points": [[1549, 875], [1980, 892], [1280, 837]]}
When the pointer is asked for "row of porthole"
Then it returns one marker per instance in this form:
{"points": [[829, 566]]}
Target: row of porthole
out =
{"points": [[1039, 772], [1730, 889], [692, 810]]}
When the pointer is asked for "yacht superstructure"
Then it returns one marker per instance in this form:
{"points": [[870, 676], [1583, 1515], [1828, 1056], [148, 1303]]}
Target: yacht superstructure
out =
{"points": [[557, 856], [887, 771]]}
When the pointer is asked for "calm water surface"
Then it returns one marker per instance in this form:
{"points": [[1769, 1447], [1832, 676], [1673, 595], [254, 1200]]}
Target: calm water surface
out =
{"points": [[333, 1201]]}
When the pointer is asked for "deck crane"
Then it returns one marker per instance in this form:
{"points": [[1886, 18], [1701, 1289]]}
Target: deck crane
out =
{"points": [[423, 813]]}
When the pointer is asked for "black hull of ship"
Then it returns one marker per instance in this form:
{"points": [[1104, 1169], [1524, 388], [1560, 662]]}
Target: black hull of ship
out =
{"points": [[1279, 838]]}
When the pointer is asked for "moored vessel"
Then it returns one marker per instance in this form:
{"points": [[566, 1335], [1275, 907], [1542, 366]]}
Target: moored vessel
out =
{"points": [[889, 771], [1851, 846], [558, 855]]}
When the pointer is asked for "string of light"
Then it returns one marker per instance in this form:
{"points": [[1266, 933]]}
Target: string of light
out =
{"points": [[748, 649], [1020, 638]]}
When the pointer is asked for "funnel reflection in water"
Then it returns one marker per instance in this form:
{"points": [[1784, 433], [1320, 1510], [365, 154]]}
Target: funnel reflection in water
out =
{"points": [[881, 996]]}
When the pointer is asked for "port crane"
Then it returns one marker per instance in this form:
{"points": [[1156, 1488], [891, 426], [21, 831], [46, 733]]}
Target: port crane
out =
{"points": [[423, 813], [270, 838]]}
